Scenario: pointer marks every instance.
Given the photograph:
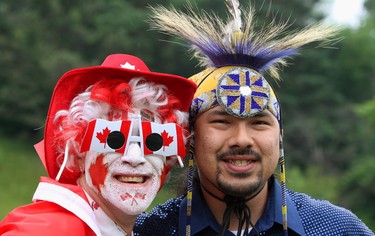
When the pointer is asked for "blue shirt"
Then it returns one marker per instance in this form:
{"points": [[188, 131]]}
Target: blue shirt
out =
{"points": [[306, 216], [202, 218]]}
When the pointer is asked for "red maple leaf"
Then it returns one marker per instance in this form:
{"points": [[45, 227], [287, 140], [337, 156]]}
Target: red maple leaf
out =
{"points": [[166, 138], [98, 172], [102, 136]]}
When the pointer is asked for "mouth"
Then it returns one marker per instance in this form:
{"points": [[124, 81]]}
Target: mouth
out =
{"points": [[239, 162], [131, 179]]}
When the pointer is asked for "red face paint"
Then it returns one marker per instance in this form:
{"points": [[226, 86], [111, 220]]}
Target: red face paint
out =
{"points": [[127, 196], [98, 172]]}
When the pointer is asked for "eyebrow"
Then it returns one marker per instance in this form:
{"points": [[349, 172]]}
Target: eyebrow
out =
{"points": [[263, 114], [219, 113]]}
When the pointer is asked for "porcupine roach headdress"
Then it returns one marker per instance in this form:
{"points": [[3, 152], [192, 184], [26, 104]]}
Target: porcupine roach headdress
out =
{"points": [[234, 54]]}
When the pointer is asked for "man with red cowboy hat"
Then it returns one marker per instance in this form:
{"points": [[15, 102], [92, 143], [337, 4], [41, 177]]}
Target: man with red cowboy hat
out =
{"points": [[237, 138], [112, 132]]}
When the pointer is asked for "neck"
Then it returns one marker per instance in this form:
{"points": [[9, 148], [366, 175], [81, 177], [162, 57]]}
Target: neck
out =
{"points": [[216, 204], [126, 225]]}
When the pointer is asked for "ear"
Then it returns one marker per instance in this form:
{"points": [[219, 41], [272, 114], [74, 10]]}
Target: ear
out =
{"points": [[81, 162], [171, 160]]}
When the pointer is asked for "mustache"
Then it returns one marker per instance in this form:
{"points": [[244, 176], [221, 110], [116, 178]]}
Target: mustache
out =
{"points": [[238, 152]]}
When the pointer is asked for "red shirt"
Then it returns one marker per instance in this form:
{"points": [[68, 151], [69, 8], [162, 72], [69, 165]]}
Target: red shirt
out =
{"points": [[58, 210]]}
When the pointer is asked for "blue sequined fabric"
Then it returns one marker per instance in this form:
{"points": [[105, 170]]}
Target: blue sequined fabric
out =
{"points": [[318, 217]]}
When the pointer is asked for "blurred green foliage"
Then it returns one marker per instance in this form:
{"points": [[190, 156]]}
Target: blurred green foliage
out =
{"points": [[20, 169], [327, 95]]}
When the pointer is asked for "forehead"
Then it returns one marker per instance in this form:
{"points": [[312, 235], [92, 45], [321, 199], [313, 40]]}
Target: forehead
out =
{"points": [[220, 111]]}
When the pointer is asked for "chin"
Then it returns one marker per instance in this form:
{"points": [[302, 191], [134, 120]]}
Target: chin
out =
{"points": [[135, 211]]}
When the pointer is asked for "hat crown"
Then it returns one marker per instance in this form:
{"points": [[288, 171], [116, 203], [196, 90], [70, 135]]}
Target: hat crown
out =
{"points": [[125, 61]]}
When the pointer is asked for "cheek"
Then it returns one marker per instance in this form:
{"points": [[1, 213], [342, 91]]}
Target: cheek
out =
{"points": [[205, 142], [157, 162], [206, 148], [98, 171], [271, 151]]}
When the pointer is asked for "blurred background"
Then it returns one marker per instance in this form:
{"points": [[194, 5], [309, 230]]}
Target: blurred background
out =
{"points": [[327, 95]]}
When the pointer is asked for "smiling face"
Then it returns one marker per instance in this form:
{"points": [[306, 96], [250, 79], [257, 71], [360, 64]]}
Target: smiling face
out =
{"points": [[125, 183], [234, 155]]}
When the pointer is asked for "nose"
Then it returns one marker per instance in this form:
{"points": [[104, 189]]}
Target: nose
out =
{"points": [[241, 136], [133, 155]]}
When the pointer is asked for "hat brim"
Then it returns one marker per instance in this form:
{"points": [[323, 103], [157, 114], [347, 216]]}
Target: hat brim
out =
{"points": [[77, 81]]}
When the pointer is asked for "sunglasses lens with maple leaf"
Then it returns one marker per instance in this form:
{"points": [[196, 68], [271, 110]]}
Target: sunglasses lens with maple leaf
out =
{"points": [[113, 136]]}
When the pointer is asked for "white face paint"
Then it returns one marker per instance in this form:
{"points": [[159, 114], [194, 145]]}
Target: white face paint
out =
{"points": [[125, 182]]}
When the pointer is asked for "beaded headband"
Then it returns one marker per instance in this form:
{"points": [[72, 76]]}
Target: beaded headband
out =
{"points": [[241, 91]]}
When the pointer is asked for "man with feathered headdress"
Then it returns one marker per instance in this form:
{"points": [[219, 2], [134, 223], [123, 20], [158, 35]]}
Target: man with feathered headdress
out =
{"points": [[236, 141]]}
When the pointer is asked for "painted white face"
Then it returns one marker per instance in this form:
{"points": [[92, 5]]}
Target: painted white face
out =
{"points": [[125, 182]]}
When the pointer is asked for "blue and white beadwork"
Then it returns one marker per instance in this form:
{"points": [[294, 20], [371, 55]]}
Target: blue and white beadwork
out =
{"points": [[243, 92]]}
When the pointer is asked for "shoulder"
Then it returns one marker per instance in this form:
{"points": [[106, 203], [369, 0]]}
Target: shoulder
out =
{"points": [[42, 218], [320, 217], [161, 220]]}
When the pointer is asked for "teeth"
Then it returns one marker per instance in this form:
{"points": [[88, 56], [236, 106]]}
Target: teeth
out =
{"points": [[239, 162], [128, 179]]}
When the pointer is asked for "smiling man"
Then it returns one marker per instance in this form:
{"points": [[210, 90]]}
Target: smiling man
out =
{"points": [[112, 133], [237, 137], [240, 154]]}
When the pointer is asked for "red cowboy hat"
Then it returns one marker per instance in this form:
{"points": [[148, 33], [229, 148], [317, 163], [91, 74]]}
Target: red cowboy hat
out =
{"points": [[115, 66]]}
